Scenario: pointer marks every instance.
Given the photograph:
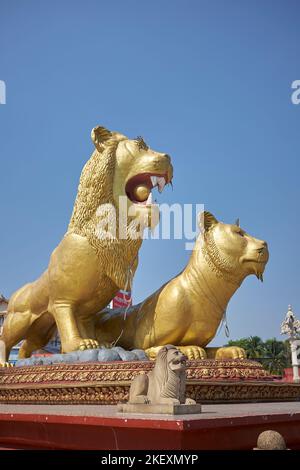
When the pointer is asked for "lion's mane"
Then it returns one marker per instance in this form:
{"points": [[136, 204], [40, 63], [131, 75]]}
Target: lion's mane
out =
{"points": [[96, 189]]}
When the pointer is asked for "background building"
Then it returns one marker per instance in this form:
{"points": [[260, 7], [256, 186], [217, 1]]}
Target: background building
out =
{"points": [[3, 310]]}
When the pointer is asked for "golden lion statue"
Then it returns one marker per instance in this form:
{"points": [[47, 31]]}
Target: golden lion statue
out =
{"points": [[188, 310], [91, 263], [165, 384]]}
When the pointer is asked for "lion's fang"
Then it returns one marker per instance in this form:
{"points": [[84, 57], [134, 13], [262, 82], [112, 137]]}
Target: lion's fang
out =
{"points": [[154, 180], [161, 183], [149, 200]]}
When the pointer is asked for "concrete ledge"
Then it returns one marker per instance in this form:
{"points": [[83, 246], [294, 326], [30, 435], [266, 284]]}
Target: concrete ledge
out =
{"points": [[166, 408]]}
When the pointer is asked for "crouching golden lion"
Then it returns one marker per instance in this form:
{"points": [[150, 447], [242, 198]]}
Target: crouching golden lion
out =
{"points": [[92, 262], [188, 310]]}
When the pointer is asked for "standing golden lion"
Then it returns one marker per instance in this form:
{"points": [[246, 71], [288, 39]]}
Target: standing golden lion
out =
{"points": [[88, 267]]}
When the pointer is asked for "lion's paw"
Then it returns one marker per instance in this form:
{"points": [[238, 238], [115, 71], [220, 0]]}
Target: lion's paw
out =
{"points": [[88, 344], [231, 352], [152, 352], [190, 401], [106, 345], [193, 352], [6, 364]]}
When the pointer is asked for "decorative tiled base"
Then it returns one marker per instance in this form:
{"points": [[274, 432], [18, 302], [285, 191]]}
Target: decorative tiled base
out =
{"points": [[208, 381]]}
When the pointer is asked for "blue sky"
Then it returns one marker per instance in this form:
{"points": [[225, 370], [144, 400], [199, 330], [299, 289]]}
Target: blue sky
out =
{"points": [[208, 82]]}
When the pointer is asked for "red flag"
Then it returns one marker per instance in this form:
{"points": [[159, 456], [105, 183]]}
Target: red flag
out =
{"points": [[122, 299]]}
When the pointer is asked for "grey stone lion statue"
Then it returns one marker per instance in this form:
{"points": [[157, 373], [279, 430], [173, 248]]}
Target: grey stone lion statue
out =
{"points": [[165, 383], [163, 389]]}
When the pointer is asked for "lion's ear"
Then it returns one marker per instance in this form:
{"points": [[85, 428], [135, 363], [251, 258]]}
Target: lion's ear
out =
{"points": [[206, 220], [99, 136]]}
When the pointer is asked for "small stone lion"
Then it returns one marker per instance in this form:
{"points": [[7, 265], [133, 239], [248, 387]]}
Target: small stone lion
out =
{"points": [[165, 384], [91, 263]]}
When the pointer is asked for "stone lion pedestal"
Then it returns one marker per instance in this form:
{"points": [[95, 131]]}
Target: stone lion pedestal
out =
{"points": [[160, 409]]}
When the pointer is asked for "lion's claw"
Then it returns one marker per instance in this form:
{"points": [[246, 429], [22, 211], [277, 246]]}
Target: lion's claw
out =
{"points": [[231, 352], [193, 352], [106, 345], [152, 352], [88, 344], [190, 401]]}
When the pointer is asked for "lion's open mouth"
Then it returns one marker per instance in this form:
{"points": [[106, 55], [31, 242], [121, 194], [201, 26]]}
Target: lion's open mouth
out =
{"points": [[181, 362], [139, 187], [258, 262]]}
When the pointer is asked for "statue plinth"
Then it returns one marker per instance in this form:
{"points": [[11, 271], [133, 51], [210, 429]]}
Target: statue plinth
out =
{"points": [[208, 381], [165, 409]]}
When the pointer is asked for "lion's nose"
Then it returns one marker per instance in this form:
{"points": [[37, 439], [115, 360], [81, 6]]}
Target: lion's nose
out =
{"points": [[262, 244], [264, 248]]}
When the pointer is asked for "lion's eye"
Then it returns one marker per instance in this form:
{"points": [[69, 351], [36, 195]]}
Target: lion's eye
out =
{"points": [[240, 233]]}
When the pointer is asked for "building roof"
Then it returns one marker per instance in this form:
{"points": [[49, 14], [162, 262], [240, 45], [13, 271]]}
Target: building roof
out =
{"points": [[3, 300]]}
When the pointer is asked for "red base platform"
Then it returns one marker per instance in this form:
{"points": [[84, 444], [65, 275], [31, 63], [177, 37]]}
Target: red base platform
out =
{"points": [[222, 427]]}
